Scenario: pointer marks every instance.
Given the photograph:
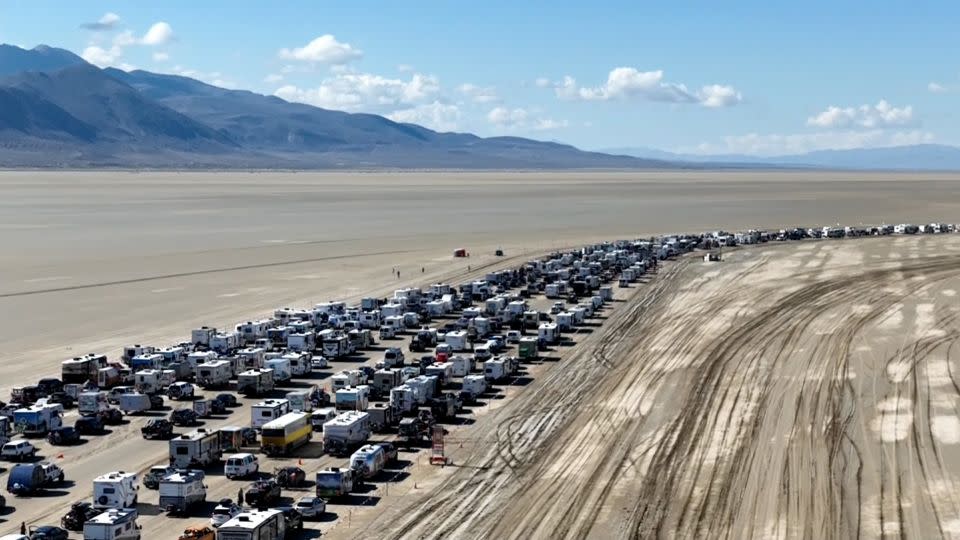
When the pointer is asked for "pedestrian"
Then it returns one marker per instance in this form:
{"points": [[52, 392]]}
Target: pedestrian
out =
{"points": [[468, 268], [422, 269], [398, 274], [23, 528], [240, 497]]}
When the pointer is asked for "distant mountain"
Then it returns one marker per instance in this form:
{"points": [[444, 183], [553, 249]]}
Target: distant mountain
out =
{"points": [[931, 157], [60, 111]]}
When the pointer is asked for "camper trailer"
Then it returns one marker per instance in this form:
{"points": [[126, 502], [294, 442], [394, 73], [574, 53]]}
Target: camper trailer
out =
{"points": [[549, 333], [267, 411], [37, 420], [182, 491], [197, 449], [334, 482], [368, 461], [255, 382], [202, 336], [115, 490], [114, 524], [214, 374], [349, 429], [254, 525], [356, 398], [281, 369], [82, 369]]}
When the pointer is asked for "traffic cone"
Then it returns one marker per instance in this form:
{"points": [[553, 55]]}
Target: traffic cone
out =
{"points": [[300, 461], [59, 456]]}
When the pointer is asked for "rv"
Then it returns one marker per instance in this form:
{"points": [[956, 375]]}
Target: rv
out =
{"points": [[267, 411], [281, 369], [347, 378], [130, 351], [385, 379], [114, 524], [202, 335], [302, 342], [474, 386], [336, 346], [462, 365], [334, 482], [147, 361], [368, 460], [381, 417], [301, 364], [496, 369], [403, 399], [214, 374], [251, 331], [528, 348], [92, 403], [348, 429], [38, 419], [195, 359], [197, 449], [255, 382], [301, 400], [320, 417], [181, 491], [457, 340], [549, 333], [254, 525], [442, 371], [115, 490], [134, 403], [82, 369], [225, 343], [369, 320], [251, 357], [353, 399], [393, 357], [153, 381], [285, 434]]}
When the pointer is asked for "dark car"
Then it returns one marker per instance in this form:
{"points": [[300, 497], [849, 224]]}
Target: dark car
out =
{"points": [[157, 428], [217, 407], [293, 519], [183, 417], [111, 417], [48, 532], [290, 477], [156, 402], [263, 494], [89, 425], [227, 400], [62, 398], [79, 513], [50, 385], [63, 436]]}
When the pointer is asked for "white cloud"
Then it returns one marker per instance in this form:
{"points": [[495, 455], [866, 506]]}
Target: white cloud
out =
{"points": [[109, 21], [521, 119], [865, 116], [160, 57], [325, 50], [365, 91], [273, 78], [478, 94], [404, 68], [542, 82], [785, 144], [624, 83], [99, 56], [159, 34], [936, 88], [438, 116]]}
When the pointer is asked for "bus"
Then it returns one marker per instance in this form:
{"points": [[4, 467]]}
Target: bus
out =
{"points": [[285, 434]]}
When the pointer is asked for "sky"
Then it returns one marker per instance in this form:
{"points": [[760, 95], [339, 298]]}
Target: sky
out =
{"points": [[742, 76]]}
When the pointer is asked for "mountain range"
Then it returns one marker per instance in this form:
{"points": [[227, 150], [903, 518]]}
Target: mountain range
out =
{"points": [[920, 157], [56, 110]]}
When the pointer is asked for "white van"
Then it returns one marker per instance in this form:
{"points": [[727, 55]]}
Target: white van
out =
{"points": [[240, 466]]}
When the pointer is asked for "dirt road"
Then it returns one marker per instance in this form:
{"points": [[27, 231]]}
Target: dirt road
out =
{"points": [[790, 391]]}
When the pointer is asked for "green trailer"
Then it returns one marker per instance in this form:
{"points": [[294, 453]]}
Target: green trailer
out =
{"points": [[528, 348]]}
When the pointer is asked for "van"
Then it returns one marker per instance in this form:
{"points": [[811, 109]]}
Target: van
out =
{"points": [[240, 466]]}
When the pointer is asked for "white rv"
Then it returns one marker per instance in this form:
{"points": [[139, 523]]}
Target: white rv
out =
{"points": [[353, 399], [255, 382], [214, 373], [347, 429], [281, 369], [113, 524], [202, 335], [368, 460], [115, 490], [548, 332], [267, 411], [199, 449], [254, 525], [457, 340], [181, 491]]}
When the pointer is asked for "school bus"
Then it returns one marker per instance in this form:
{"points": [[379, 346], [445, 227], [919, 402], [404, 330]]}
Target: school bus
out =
{"points": [[281, 436]]}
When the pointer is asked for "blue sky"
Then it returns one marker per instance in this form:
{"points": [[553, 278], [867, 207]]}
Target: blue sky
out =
{"points": [[708, 77]]}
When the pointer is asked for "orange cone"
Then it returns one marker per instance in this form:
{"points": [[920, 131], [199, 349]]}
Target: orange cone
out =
{"points": [[300, 462]]}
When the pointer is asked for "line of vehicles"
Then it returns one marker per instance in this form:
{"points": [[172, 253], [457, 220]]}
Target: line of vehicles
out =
{"points": [[458, 350]]}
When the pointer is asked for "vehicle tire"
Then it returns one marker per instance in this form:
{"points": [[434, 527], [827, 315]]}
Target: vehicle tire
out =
{"points": [[103, 499], [60, 478]]}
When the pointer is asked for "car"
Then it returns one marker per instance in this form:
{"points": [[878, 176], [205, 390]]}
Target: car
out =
{"points": [[293, 518], [156, 402], [111, 416], [311, 507], [180, 391], [157, 428], [113, 397], [183, 417], [49, 386], [224, 512], [151, 480], [263, 493], [290, 476], [52, 473], [319, 362], [18, 451], [89, 425], [63, 436], [62, 398], [48, 532], [217, 407], [79, 513], [390, 453], [241, 466], [198, 532], [227, 400]]}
